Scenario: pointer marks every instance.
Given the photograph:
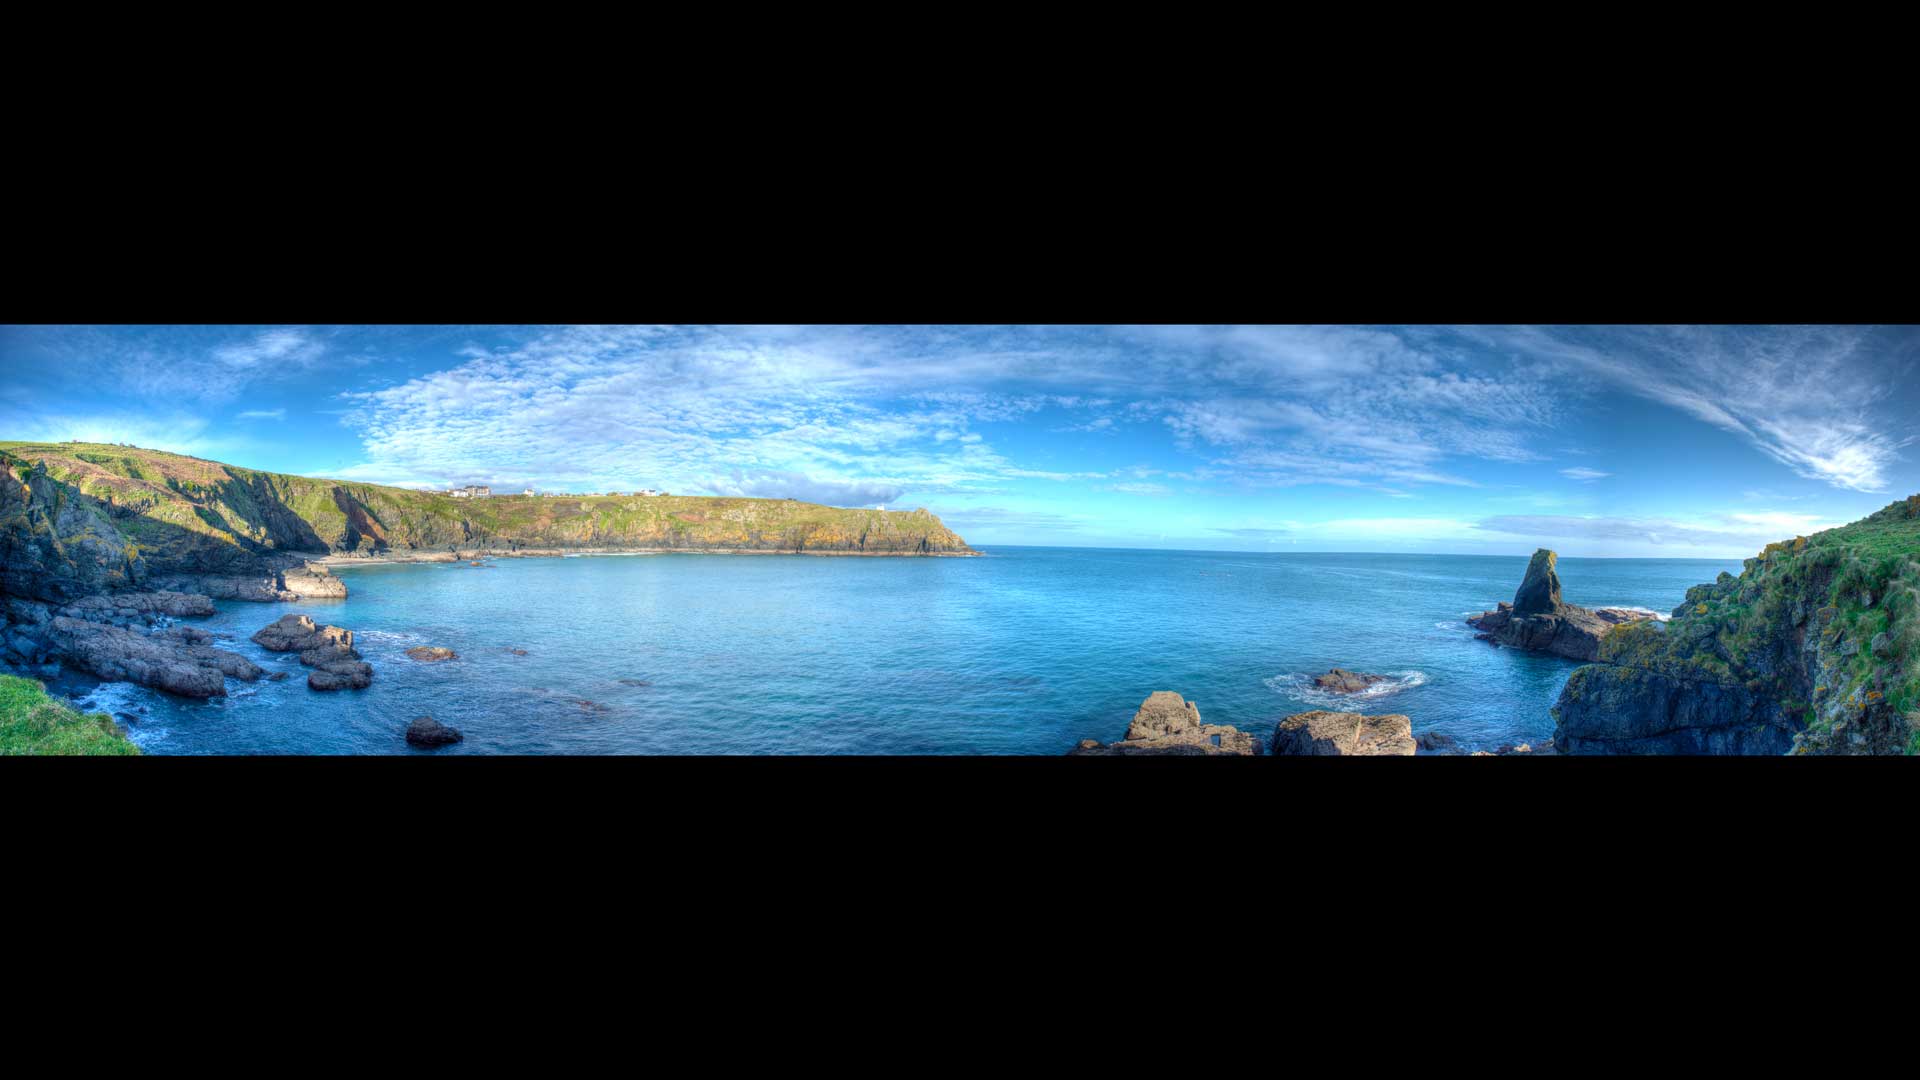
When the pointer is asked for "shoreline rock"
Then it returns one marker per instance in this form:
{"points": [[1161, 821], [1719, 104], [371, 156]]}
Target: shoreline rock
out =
{"points": [[1167, 723], [1343, 734]]}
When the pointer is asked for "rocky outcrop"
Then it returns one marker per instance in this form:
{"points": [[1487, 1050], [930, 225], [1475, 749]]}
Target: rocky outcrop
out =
{"points": [[1814, 648], [425, 731], [1344, 734], [1342, 681], [431, 654], [327, 649], [1167, 723], [1538, 619], [178, 662]]}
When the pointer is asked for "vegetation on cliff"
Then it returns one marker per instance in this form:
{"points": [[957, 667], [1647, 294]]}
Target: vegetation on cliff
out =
{"points": [[31, 722], [1822, 631], [97, 516]]}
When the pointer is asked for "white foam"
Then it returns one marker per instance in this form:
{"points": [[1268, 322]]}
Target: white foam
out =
{"points": [[1301, 688], [1661, 615]]}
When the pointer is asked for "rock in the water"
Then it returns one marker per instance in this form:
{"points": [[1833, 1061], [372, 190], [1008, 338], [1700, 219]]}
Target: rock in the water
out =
{"points": [[1539, 620], [298, 633], [1432, 742], [426, 731], [1539, 592], [313, 582], [1342, 681], [162, 661], [1344, 734], [1166, 723], [341, 675], [429, 654], [328, 649]]}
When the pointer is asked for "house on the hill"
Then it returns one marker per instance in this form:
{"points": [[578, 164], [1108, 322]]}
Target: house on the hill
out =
{"points": [[471, 491]]}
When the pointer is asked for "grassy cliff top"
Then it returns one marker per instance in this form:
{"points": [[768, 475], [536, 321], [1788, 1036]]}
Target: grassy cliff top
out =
{"points": [[31, 722], [1853, 590], [162, 502]]}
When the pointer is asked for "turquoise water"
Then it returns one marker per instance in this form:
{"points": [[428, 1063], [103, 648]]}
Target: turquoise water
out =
{"points": [[1023, 651]]}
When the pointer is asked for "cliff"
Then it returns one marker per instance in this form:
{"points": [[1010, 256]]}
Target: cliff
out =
{"points": [[1813, 649], [78, 519]]}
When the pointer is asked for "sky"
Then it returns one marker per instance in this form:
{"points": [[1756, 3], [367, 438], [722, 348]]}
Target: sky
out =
{"points": [[1670, 442]]}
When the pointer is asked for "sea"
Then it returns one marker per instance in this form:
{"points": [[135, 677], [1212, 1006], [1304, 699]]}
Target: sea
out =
{"points": [[1024, 650]]}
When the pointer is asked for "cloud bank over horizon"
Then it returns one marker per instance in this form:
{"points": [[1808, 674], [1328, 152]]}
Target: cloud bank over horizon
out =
{"points": [[1604, 440]]}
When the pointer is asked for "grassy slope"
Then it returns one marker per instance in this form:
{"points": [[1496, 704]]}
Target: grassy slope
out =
{"points": [[159, 494], [33, 723], [1740, 629]]}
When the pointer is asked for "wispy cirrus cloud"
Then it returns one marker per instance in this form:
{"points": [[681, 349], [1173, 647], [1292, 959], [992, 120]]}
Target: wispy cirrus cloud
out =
{"points": [[1582, 473], [1803, 396]]}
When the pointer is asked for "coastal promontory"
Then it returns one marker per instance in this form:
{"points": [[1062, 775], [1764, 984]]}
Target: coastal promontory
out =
{"points": [[1813, 648]]}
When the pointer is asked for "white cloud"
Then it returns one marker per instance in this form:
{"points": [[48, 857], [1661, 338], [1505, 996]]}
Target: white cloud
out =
{"points": [[1803, 396], [262, 414], [1582, 473]]}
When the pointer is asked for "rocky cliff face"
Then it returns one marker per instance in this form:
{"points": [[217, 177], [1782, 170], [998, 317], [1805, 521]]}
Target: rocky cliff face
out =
{"points": [[78, 519], [1812, 649], [1539, 620]]}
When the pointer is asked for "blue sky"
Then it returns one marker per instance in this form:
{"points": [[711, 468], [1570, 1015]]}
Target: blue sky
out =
{"points": [[1600, 441]]}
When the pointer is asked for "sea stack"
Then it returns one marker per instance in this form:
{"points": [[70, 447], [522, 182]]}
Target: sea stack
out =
{"points": [[1539, 620]]}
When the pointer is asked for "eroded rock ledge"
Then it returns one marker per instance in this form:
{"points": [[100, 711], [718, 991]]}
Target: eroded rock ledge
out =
{"points": [[1344, 734]]}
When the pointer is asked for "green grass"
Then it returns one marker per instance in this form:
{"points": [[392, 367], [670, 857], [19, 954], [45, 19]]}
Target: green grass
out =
{"points": [[33, 723]]}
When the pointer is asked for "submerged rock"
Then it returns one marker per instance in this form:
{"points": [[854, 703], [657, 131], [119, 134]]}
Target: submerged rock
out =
{"points": [[1539, 620], [426, 731], [429, 654], [1344, 734], [1167, 723], [1342, 681]]}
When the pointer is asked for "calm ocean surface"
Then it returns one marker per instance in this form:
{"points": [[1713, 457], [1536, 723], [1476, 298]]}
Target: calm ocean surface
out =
{"points": [[1023, 651]]}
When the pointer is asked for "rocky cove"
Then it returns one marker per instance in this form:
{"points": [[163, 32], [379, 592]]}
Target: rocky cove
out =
{"points": [[1805, 650]]}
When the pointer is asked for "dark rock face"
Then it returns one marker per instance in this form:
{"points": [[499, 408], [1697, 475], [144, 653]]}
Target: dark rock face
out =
{"points": [[1344, 734], [341, 675], [1166, 723], [1539, 620], [1433, 742], [1539, 592], [428, 732], [1605, 709], [170, 662], [1342, 681]]}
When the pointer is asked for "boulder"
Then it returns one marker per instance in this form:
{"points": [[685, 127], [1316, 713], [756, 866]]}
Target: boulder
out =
{"points": [[341, 675], [429, 654], [1344, 734], [426, 731], [1168, 724], [1432, 742], [1342, 681], [299, 633]]}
